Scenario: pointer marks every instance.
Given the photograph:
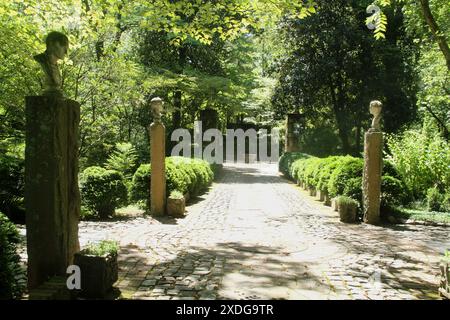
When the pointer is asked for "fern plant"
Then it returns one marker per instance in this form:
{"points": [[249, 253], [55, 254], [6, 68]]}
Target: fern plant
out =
{"points": [[123, 160]]}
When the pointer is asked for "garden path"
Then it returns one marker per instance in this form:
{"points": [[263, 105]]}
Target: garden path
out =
{"points": [[255, 235]]}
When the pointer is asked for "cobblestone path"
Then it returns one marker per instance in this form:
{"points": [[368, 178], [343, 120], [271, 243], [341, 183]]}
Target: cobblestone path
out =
{"points": [[257, 236]]}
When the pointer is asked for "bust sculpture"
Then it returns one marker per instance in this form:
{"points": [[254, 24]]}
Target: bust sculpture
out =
{"points": [[156, 105], [57, 47], [375, 110]]}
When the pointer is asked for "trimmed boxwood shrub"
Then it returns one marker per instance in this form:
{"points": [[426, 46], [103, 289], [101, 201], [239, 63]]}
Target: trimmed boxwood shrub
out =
{"points": [[435, 200], [9, 260], [329, 165], [393, 192], [102, 191], [342, 176], [182, 174], [353, 189], [298, 168], [176, 178], [287, 160], [350, 168], [140, 186], [446, 203], [308, 174]]}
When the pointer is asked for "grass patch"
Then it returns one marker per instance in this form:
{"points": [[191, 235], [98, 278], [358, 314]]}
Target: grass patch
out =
{"points": [[422, 215]]}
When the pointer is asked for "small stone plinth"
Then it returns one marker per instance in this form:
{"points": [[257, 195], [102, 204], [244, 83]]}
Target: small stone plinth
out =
{"points": [[98, 274], [334, 204], [347, 209], [444, 287], [176, 207], [326, 198], [321, 195]]}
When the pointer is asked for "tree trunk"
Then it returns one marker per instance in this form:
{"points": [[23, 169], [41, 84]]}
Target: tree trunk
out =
{"points": [[176, 120], [338, 108], [440, 38]]}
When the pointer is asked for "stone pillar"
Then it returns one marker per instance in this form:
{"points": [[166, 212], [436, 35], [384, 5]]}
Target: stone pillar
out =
{"points": [[373, 164], [209, 119], [293, 123], [158, 156], [52, 197]]}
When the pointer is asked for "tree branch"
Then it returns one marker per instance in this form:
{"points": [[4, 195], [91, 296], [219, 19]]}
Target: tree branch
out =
{"points": [[440, 38]]}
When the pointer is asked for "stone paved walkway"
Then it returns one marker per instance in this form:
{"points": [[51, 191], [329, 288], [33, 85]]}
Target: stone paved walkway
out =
{"points": [[257, 236]]}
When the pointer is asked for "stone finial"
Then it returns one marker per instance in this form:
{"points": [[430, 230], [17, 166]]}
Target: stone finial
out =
{"points": [[156, 105], [375, 110]]}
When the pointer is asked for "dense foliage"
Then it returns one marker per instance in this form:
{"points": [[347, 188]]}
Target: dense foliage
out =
{"points": [[333, 68], [9, 260]]}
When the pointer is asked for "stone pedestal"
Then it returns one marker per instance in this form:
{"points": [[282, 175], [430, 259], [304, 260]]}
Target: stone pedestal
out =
{"points": [[158, 176], [209, 119], [293, 125], [373, 162], [52, 197]]}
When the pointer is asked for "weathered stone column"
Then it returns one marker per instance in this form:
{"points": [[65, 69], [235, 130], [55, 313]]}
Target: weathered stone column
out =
{"points": [[52, 197], [292, 132], [158, 156], [373, 164]]}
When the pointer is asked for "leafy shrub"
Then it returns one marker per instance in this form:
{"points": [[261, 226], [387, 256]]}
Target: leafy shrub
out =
{"points": [[298, 168], [176, 178], [329, 165], [422, 159], [347, 201], [176, 195], [307, 174], [353, 189], [317, 172], [9, 260], [348, 169], [393, 192], [435, 200], [182, 174], [286, 161], [140, 186], [390, 170], [123, 160], [102, 191], [446, 203], [101, 249]]}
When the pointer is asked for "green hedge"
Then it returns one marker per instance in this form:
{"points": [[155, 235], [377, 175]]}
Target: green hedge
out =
{"points": [[140, 186], [342, 176], [102, 191], [9, 260], [182, 174], [347, 178], [286, 161]]}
